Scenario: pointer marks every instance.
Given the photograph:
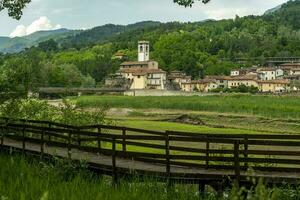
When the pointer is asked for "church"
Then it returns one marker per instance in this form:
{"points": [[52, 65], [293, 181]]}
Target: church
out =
{"points": [[144, 73]]}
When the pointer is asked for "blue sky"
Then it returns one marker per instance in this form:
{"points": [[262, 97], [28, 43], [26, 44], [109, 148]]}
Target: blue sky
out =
{"points": [[79, 14]]}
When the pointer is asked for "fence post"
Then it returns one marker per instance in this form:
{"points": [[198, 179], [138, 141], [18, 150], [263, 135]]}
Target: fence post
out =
{"points": [[246, 150], [207, 154], [237, 163], [99, 139], [78, 138], [124, 140], [49, 137], [23, 142], [69, 145], [2, 137], [168, 167], [114, 162], [42, 144]]}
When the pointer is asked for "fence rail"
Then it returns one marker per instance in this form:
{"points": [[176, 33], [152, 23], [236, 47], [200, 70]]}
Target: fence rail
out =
{"points": [[181, 154]]}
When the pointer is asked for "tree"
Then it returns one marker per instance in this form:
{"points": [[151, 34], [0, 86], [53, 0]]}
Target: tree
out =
{"points": [[14, 7], [188, 3], [49, 45]]}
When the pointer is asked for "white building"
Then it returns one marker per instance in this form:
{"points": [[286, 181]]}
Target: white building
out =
{"points": [[144, 73], [270, 73], [143, 51]]}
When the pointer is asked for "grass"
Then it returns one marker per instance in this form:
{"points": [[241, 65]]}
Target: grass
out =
{"points": [[27, 179], [171, 126], [287, 107], [33, 180]]}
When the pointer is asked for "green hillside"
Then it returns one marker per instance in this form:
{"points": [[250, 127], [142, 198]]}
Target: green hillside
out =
{"points": [[101, 34], [200, 48], [17, 44]]}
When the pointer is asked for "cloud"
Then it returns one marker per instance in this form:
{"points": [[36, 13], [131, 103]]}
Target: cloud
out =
{"points": [[41, 24]]}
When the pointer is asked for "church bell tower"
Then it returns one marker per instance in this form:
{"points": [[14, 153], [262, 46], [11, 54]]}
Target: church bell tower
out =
{"points": [[144, 51]]}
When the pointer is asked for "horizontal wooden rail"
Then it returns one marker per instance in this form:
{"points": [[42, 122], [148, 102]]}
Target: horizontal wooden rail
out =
{"points": [[235, 153]]}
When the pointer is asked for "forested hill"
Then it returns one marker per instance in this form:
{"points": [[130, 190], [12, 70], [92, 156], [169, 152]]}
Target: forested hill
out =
{"points": [[207, 47], [101, 34]]}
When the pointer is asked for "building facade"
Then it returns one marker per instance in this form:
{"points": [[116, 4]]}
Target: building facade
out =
{"points": [[144, 73]]}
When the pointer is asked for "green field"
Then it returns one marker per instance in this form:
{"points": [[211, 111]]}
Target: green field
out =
{"points": [[162, 126], [287, 107], [219, 114]]}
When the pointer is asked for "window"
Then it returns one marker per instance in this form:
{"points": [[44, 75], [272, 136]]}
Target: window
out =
{"points": [[139, 76], [147, 48], [141, 48]]}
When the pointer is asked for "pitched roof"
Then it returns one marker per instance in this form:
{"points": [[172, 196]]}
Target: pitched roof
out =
{"points": [[244, 78], [219, 77], [267, 69], [134, 63], [141, 71], [276, 81]]}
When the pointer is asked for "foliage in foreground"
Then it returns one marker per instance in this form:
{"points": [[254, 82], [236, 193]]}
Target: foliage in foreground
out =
{"points": [[64, 180], [66, 112]]}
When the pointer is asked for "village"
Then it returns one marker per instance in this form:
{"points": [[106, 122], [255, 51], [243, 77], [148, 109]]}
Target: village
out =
{"points": [[145, 74]]}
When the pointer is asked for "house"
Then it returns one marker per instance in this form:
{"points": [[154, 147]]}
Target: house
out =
{"points": [[273, 86], [238, 72], [203, 85], [118, 56], [178, 77], [144, 73], [288, 66], [247, 80], [269, 73], [144, 78], [294, 71], [222, 81]]}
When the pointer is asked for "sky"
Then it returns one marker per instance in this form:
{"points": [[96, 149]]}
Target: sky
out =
{"points": [[79, 14]]}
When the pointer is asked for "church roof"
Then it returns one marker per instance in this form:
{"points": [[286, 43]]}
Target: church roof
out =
{"points": [[134, 63], [141, 71]]}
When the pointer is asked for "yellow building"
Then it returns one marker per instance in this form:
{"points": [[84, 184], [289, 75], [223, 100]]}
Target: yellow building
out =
{"points": [[204, 85], [247, 80], [274, 86], [144, 73]]}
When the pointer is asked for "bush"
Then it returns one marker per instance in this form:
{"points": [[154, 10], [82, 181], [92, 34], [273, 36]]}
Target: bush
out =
{"points": [[66, 112]]}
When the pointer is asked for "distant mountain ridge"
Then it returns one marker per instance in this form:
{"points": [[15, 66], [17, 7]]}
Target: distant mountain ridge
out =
{"points": [[17, 44], [286, 14], [272, 10], [70, 38]]}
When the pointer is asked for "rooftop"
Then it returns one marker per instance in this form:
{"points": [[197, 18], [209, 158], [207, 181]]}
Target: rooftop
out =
{"points": [[141, 71]]}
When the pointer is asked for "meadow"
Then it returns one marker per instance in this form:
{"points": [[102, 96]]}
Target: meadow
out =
{"points": [[286, 107], [26, 178]]}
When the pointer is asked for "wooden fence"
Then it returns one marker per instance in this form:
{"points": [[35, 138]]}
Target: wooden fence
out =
{"points": [[197, 155]]}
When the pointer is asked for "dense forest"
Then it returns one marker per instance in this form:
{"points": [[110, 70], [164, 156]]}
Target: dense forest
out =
{"points": [[208, 47]]}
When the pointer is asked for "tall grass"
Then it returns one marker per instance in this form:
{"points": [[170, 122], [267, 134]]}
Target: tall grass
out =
{"points": [[266, 106], [21, 179], [25, 179]]}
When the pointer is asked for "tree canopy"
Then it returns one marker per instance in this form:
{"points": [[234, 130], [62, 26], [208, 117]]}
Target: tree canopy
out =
{"points": [[14, 7], [188, 3]]}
